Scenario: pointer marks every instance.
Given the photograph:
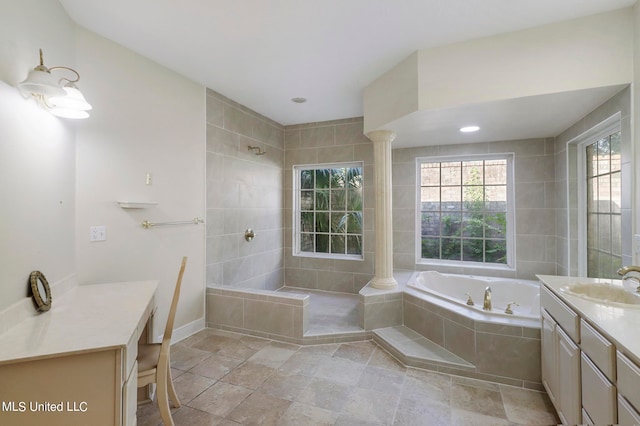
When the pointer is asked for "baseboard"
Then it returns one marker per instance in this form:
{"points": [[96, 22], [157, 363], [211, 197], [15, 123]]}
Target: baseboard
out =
{"points": [[185, 331]]}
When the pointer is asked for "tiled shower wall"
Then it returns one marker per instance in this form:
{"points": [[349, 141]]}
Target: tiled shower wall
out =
{"points": [[329, 142], [535, 195], [244, 190], [567, 199]]}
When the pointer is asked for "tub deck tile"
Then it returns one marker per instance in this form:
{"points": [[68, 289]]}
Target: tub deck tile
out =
{"points": [[415, 349]]}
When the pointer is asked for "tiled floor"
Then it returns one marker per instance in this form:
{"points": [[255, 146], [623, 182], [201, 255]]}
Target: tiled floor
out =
{"points": [[230, 379]]}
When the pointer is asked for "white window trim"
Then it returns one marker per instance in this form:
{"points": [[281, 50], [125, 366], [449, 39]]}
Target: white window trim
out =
{"points": [[296, 211], [511, 223], [604, 128]]}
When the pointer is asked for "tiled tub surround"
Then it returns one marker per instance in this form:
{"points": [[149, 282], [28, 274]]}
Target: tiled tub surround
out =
{"points": [[282, 316], [499, 351], [504, 351]]}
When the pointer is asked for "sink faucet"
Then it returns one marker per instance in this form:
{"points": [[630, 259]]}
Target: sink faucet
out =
{"points": [[487, 299], [631, 273]]}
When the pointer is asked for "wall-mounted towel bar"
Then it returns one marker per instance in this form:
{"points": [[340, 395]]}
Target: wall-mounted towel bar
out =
{"points": [[146, 224]]}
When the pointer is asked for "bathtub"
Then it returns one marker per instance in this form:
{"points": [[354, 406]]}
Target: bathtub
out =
{"points": [[453, 288]]}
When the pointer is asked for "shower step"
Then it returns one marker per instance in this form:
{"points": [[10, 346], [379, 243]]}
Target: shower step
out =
{"points": [[415, 350]]}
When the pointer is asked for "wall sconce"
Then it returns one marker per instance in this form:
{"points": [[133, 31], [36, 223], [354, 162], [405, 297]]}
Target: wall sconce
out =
{"points": [[59, 95]]}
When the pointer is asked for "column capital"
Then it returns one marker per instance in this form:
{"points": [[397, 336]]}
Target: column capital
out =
{"points": [[381, 136]]}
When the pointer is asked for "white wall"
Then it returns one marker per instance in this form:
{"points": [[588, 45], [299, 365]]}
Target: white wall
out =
{"points": [[541, 60], [58, 177], [145, 119], [37, 153]]}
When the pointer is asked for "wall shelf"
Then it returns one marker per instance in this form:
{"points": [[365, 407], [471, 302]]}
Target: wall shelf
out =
{"points": [[137, 204]]}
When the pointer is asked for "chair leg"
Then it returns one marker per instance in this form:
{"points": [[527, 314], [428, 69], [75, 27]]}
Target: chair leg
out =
{"points": [[163, 399], [172, 390]]}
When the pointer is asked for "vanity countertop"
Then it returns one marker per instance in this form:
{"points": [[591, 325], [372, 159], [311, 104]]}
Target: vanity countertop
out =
{"points": [[619, 323], [87, 318]]}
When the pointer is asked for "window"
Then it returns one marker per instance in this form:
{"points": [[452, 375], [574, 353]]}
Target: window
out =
{"points": [[465, 212], [603, 202], [327, 219]]}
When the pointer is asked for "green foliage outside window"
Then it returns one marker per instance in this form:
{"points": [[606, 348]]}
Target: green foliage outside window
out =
{"points": [[331, 210], [472, 229]]}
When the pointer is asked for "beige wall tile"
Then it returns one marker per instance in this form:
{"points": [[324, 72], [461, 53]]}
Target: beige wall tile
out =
{"points": [[275, 318], [509, 356], [225, 310], [460, 340]]}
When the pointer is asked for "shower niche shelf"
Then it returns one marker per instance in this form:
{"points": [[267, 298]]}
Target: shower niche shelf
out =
{"points": [[137, 204]]}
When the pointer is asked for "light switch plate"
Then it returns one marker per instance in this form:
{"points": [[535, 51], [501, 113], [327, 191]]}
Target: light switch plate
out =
{"points": [[97, 233]]}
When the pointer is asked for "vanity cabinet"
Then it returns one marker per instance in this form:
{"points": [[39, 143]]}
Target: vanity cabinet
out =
{"points": [[561, 358], [599, 338]]}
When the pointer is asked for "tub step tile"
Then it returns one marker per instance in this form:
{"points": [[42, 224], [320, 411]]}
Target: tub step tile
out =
{"points": [[414, 350]]}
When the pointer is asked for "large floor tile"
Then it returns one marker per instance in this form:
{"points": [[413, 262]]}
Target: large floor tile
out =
{"points": [[220, 399], [478, 400], [527, 407], [285, 385], [326, 394], [259, 409], [249, 375]]}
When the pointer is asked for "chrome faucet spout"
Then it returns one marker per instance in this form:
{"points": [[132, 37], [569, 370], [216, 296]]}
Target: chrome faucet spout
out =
{"points": [[487, 299]]}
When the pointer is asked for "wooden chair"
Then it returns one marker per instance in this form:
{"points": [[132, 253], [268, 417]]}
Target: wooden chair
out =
{"points": [[154, 360]]}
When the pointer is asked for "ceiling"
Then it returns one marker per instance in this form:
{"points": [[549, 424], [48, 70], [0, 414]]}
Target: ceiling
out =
{"points": [[262, 53]]}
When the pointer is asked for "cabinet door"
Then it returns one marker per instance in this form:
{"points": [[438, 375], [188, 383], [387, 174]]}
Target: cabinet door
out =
{"points": [[568, 379], [549, 357]]}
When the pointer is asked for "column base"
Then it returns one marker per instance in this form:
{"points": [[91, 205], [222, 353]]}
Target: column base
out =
{"points": [[384, 283]]}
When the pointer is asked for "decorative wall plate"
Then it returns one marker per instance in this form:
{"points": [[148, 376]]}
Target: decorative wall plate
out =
{"points": [[40, 290]]}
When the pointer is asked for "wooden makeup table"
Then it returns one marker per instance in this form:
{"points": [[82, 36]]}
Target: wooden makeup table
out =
{"points": [[76, 363]]}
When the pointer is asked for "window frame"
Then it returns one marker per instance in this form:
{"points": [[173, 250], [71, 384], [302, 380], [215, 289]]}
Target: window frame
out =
{"points": [[296, 213], [603, 129], [510, 213]]}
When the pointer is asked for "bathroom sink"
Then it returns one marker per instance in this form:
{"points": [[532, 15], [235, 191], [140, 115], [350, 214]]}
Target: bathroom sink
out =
{"points": [[604, 293]]}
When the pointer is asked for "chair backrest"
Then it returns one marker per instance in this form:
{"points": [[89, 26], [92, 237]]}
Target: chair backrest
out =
{"points": [[168, 330]]}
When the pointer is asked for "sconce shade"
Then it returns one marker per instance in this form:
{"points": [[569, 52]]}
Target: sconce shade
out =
{"points": [[40, 81], [60, 98], [72, 98], [69, 113]]}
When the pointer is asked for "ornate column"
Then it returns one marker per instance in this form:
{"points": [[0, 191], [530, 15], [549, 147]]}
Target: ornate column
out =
{"points": [[383, 278]]}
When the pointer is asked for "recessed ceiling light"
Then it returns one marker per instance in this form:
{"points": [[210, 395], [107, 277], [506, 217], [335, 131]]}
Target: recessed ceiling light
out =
{"points": [[299, 100], [469, 129]]}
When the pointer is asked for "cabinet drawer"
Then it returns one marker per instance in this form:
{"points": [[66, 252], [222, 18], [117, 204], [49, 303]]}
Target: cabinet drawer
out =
{"points": [[568, 320], [627, 415], [628, 379], [600, 350], [598, 394]]}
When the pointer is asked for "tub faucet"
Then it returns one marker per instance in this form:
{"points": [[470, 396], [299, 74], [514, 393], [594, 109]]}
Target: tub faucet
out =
{"points": [[631, 273], [487, 299]]}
